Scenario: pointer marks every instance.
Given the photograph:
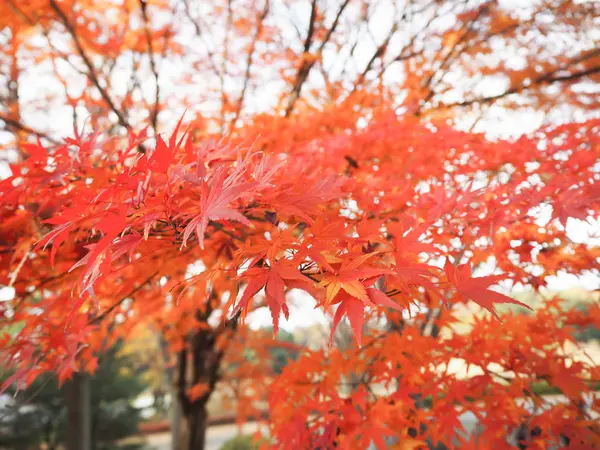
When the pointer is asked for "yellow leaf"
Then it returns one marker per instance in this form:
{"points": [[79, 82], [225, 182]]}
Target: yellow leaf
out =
{"points": [[330, 258], [356, 289], [333, 287], [451, 39], [356, 262]]}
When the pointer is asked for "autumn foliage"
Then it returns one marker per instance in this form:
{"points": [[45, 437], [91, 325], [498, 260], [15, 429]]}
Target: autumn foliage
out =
{"points": [[389, 221], [304, 219]]}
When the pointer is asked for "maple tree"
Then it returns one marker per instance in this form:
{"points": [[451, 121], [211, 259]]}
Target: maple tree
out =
{"points": [[328, 181], [117, 221]]}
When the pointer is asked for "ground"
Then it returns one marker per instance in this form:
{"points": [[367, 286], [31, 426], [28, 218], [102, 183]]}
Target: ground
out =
{"points": [[216, 437]]}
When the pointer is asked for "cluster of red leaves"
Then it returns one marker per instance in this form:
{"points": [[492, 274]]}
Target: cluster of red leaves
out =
{"points": [[404, 384], [368, 219]]}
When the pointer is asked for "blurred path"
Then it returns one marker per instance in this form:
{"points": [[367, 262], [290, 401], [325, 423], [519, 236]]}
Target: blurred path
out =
{"points": [[215, 438], [218, 435]]}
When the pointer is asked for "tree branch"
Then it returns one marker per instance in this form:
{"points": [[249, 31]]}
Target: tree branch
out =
{"points": [[451, 56], [199, 33], [307, 65], [223, 71], [155, 109], [311, 26], [91, 72], [11, 123], [547, 78], [114, 306], [259, 28]]}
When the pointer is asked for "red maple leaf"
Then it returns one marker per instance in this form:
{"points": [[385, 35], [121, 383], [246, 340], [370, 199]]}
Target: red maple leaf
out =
{"points": [[214, 205], [476, 289], [349, 276], [274, 280], [354, 309]]}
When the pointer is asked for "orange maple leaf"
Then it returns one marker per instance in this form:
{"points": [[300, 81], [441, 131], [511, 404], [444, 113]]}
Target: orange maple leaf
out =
{"points": [[274, 280], [197, 391], [476, 289], [347, 276]]}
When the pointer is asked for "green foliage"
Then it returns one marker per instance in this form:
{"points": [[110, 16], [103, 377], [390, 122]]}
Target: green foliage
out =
{"points": [[282, 356], [586, 334], [591, 333], [113, 388], [38, 414], [543, 388], [146, 349]]}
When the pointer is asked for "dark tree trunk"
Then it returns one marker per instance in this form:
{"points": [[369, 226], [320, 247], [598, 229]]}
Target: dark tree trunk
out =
{"points": [[205, 362], [200, 363], [197, 420], [73, 394], [76, 393]]}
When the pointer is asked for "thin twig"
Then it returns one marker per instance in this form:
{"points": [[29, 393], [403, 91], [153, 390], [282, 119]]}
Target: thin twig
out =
{"points": [[153, 69], [91, 72], [100, 317], [307, 64], [259, 28], [11, 123]]}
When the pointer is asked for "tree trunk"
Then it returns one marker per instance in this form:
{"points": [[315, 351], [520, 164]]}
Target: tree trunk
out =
{"points": [[197, 424], [77, 400], [205, 362], [176, 431], [204, 369], [199, 364]]}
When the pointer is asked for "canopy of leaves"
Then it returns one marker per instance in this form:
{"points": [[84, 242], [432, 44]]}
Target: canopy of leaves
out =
{"points": [[280, 219], [316, 157]]}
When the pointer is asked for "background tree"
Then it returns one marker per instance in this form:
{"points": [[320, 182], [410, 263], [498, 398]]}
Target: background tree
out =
{"points": [[281, 355], [38, 417], [590, 332], [147, 352]]}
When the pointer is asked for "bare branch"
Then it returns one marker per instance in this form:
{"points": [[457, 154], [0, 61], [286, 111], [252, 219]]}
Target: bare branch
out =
{"points": [[307, 65], [91, 73], [259, 28], [379, 52], [544, 79], [11, 123], [451, 55], [223, 71], [311, 26], [153, 69], [199, 33], [101, 317]]}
